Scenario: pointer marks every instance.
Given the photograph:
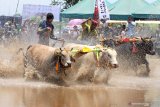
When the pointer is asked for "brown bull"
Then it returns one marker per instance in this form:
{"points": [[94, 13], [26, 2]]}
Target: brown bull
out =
{"points": [[49, 62]]}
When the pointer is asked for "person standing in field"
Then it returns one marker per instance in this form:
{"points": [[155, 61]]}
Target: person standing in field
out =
{"points": [[46, 30]]}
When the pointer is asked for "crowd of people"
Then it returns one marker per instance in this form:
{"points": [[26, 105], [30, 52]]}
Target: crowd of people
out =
{"points": [[90, 30], [128, 29], [111, 30], [9, 31]]}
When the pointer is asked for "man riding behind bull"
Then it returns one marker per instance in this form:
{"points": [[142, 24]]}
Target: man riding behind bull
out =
{"points": [[46, 30], [131, 25]]}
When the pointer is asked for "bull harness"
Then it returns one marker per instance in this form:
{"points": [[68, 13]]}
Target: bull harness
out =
{"points": [[86, 49]]}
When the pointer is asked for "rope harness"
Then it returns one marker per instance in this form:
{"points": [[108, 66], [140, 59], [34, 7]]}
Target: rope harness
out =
{"points": [[86, 49], [74, 51], [59, 65]]}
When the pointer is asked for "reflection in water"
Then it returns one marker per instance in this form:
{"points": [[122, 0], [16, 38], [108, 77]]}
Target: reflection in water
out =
{"points": [[153, 95], [75, 96]]}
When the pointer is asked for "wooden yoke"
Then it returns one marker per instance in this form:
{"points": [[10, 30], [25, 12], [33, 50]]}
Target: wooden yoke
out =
{"points": [[87, 49]]}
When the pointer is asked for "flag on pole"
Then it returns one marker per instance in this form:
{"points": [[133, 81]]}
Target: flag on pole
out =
{"points": [[96, 14]]}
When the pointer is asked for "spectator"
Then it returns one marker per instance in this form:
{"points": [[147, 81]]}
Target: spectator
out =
{"points": [[123, 32]]}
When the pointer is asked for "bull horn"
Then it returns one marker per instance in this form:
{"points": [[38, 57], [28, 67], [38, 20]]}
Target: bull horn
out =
{"points": [[71, 49], [57, 51], [29, 47], [60, 49], [143, 39], [147, 39]]}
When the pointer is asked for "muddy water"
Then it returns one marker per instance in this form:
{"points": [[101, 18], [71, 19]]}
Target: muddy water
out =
{"points": [[122, 91], [40, 95]]}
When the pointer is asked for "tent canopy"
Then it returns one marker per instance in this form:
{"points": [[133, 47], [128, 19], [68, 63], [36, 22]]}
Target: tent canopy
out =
{"points": [[83, 10], [118, 11], [151, 11], [124, 8]]}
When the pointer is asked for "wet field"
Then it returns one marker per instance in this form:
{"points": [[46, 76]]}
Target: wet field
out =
{"points": [[45, 95], [124, 89], [19, 93]]}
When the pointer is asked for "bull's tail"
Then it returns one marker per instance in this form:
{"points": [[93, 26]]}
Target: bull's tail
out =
{"points": [[20, 50], [24, 55], [29, 47]]}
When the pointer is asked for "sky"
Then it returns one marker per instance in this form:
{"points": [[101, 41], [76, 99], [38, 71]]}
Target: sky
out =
{"points": [[8, 7]]}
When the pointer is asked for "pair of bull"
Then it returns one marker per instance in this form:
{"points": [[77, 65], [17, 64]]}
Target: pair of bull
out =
{"points": [[51, 62]]}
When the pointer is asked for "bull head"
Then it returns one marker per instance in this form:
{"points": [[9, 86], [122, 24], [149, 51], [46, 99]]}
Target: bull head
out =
{"points": [[143, 40], [65, 57], [57, 52], [148, 46], [147, 39]]}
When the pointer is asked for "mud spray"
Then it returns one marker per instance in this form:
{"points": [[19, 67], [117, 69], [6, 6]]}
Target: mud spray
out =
{"points": [[121, 91]]}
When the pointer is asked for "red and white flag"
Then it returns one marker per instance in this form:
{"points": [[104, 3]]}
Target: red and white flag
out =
{"points": [[96, 14]]}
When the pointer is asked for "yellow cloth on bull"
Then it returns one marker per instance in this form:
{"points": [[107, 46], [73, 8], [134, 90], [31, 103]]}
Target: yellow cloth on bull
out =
{"points": [[92, 49], [86, 49], [96, 48]]}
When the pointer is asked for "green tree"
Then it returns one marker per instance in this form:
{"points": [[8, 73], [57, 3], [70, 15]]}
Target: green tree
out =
{"points": [[71, 2], [68, 3]]}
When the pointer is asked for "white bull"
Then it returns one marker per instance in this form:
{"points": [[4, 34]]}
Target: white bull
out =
{"points": [[87, 65], [49, 62]]}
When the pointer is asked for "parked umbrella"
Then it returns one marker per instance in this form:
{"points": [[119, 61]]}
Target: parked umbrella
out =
{"points": [[75, 22]]}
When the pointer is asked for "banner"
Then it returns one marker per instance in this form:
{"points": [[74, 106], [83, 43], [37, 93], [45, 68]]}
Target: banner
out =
{"points": [[38, 10], [103, 10]]}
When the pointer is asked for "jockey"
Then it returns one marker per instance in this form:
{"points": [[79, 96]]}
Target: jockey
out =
{"points": [[89, 28], [46, 29], [131, 25]]}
